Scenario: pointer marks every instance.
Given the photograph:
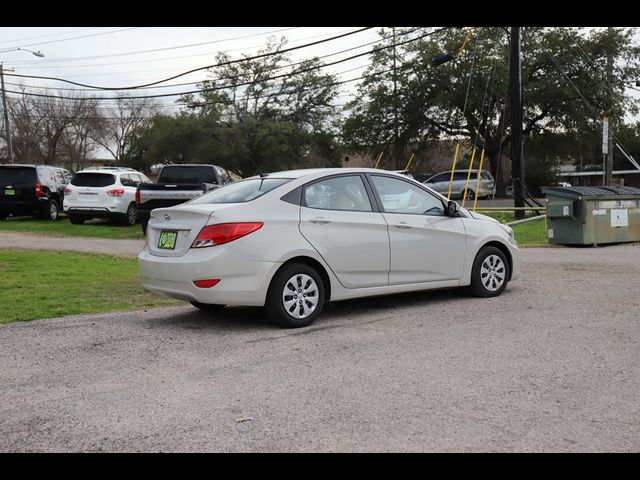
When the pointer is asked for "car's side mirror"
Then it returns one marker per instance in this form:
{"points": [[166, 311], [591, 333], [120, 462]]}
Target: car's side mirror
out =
{"points": [[452, 209]]}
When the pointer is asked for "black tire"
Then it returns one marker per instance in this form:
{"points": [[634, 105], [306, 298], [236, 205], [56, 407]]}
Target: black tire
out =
{"points": [[276, 296], [128, 219], [210, 307], [76, 220], [490, 267], [144, 227], [470, 194], [3, 216], [50, 211]]}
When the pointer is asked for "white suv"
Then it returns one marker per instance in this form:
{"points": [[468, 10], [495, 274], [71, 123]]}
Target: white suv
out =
{"points": [[106, 192]]}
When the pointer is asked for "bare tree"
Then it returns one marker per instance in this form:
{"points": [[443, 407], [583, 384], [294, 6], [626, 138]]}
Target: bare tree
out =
{"points": [[53, 130], [119, 121]]}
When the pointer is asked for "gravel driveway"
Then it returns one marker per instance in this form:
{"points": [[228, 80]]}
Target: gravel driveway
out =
{"points": [[26, 241], [551, 365]]}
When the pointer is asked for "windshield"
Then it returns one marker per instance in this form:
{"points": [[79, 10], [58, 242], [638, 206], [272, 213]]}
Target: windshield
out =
{"points": [[93, 179], [10, 174], [187, 174], [240, 192]]}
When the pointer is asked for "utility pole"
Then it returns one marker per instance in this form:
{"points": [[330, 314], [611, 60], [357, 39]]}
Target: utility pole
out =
{"points": [[395, 102], [608, 175], [517, 164], [6, 116]]}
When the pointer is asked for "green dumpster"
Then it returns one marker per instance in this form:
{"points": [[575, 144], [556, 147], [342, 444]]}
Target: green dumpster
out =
{"points": [[592, 215]]}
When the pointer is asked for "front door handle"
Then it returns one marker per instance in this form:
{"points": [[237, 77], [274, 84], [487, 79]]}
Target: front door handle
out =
{"points": [[402, 226], [319, 221]]}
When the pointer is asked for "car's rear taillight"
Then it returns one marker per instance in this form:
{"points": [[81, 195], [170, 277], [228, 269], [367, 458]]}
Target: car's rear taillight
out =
{"points": [[223, 233], [137, 197], [67, 191], [38, 190], [212, 282], [115, 192]]}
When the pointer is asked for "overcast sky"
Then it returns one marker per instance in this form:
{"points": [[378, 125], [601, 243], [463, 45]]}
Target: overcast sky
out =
{"points": [[126, 56]]}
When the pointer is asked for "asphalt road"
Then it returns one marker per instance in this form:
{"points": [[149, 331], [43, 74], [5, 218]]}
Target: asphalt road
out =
{"points": [[551, 365]]}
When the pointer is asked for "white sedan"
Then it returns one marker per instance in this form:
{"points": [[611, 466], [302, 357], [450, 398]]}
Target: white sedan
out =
{"points": [[291, 241]]}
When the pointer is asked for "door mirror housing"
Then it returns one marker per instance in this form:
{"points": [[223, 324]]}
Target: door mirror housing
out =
{"points": [[452, 209]]}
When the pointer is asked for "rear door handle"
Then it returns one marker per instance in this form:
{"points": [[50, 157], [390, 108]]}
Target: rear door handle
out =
{"points": [[319, 221], [402, 226]]}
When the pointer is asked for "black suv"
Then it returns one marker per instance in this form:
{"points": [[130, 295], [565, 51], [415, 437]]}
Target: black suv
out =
{"points": [[36, 190]]}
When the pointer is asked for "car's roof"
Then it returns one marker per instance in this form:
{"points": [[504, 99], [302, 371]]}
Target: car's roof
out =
{"points": [[108, 170], [304, 172], [28, 165]]}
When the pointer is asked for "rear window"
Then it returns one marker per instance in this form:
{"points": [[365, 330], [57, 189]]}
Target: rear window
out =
{"points": [[10, 174], [93, 179], [241, 192], [184, 174]]}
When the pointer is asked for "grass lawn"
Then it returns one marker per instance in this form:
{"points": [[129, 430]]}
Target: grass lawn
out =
{"points": [[62, 227], [52, 284], [532, 233]]}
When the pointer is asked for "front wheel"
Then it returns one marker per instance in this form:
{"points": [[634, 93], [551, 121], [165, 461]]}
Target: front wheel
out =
{"points": [[490, 273], [296, 296]]}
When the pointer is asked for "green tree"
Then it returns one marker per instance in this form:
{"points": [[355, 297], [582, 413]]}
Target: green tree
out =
{"points": [[431, 101], [273, 114]]}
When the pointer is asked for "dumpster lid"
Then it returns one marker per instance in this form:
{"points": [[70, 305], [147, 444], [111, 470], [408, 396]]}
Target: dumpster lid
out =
{"points": [[607, 190]]}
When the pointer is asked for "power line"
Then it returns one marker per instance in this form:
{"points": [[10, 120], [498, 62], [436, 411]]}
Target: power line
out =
{"points": [[49, 35], [223, 87], [82, 36], [73, 59], [201, 81], [230, 62]]}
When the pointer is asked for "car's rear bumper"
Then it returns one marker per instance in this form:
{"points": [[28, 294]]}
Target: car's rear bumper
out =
{"points": [[242, 281]]}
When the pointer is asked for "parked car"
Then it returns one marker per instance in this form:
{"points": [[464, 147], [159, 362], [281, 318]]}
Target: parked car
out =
{"points": [[177, 184], [36, 190], [292, 241], [104, 192], [440, 183]]}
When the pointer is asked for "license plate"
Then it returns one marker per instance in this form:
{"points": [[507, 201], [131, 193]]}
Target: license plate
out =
{"points": [[167, 240], [9, 192]]}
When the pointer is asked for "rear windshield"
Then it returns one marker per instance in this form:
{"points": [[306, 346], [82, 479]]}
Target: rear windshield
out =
{"points": [[240, 192], [185, 174], [93, 179], [18, 174]]}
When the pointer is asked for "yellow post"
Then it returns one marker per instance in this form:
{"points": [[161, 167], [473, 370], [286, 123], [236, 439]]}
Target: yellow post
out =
{"points": [[466, 185], [453, 169], [410, 160], [379, 158], [466, 39], [475, 200]]}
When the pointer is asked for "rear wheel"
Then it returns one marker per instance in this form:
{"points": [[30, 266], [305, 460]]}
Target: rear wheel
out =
{"points": [[76, 220], [296, 296], [50, 211], [490, 273], [470, 194], [129, 218], [208, 306]]}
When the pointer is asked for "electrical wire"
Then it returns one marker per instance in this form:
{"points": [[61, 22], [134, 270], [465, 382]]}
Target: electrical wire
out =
{"points": [[223, 87], [73, 59], [75, 38], [222, 78], [206, 67]]}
